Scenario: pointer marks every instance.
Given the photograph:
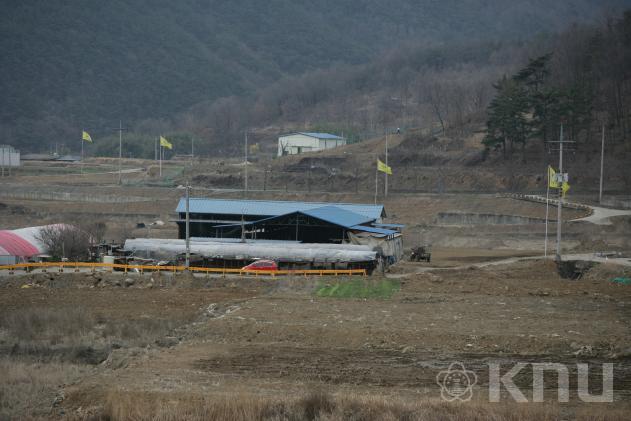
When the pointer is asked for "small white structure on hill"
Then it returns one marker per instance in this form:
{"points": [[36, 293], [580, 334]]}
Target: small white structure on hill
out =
{"points": [[9, 156], [300, 142]]}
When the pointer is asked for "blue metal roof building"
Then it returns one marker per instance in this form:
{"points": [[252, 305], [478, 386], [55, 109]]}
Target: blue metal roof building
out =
{"points": [[311, 222], [321, 135], [302, 142]]}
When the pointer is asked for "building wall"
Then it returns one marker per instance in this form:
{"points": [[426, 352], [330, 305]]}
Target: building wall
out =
{"points": [[331, 143], [9, 157], [288, 228], [391, 247], [297, 143], [8, 260]]}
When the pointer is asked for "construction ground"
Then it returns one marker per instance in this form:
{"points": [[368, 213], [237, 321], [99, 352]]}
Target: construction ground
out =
{"points": [[86, 346]]}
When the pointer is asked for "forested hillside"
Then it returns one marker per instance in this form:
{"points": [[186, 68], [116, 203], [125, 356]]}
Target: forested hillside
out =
{"points": [[515, 92], [76, 64]]}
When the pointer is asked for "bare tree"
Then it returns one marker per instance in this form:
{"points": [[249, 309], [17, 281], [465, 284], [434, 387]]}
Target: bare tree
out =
{"points": [[283, 149], [437, 97], [69, 241], [95, 229]]}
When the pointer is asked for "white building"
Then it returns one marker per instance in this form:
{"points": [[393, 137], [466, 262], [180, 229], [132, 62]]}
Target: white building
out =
{"points": [[9, 157], [296, 143]]}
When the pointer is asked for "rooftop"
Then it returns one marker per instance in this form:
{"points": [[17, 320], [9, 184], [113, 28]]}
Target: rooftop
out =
{"points": [[317, 135], [278, 207], [338, 216], [333, 215]]}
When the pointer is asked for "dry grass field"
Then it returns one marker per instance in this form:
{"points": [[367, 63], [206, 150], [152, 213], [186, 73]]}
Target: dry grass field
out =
{"points": [[229, 348], [106, 346]]}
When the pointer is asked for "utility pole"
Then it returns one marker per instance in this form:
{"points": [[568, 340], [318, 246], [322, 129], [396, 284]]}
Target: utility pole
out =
{"points": [[545, 245], [386, 173], [265, 178], [560, 204], [242, 226], [246, 161], [602, 161], [82, 141], [376, 177], [309, 177], [188, 232], [561, 179], [120, 152]]}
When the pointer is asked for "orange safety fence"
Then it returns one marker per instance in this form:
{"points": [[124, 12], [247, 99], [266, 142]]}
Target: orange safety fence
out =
{"points": [[142, 268]]}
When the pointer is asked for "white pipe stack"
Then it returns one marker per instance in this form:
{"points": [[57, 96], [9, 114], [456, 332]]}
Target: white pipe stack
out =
{"points": [[279, 251]]}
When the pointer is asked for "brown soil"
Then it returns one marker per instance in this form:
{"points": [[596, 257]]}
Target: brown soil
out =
{"points": [[272, 338]]}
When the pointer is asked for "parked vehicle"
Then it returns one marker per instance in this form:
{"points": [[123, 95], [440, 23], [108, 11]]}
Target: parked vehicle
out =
{"points": [[421, 253], [266, 265]]}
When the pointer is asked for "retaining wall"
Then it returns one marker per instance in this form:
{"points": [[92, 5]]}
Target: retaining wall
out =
{"points": [[617, 202], [90, 195], [465, 218]]}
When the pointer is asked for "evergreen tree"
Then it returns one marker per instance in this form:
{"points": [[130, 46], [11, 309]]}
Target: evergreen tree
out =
{"points": [[526, 106], [508, 116]]}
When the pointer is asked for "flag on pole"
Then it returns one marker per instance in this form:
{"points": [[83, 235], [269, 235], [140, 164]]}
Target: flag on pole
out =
{"points": [[558, 181], [165, 143], [554, 184], [86, 137], [383, 167]]}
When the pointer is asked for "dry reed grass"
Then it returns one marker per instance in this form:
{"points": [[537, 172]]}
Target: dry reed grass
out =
{"points": [[43, 348], [321, 406], [63, 332], [54, 325], [28, 389]]}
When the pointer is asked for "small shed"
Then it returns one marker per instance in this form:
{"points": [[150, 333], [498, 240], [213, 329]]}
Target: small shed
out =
{"points": [[301, 142]]}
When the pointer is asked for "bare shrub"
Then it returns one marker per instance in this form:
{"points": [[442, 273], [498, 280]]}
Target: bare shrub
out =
{"points": [[139, 332], [72, 241], [316, 404], [65, 241], [95, 229]]}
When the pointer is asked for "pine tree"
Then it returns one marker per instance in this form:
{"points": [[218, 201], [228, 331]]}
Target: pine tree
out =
{"points": [[526, 106], [508, 117]]}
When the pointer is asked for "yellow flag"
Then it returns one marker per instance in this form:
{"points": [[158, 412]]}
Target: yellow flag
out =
{"points": [[565, 187], [552, 179], [383, 167], [165, 143], [86, 137]]}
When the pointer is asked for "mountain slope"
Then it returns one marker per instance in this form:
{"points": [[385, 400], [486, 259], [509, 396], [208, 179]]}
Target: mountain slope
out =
{"points": [[73, 64]]}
